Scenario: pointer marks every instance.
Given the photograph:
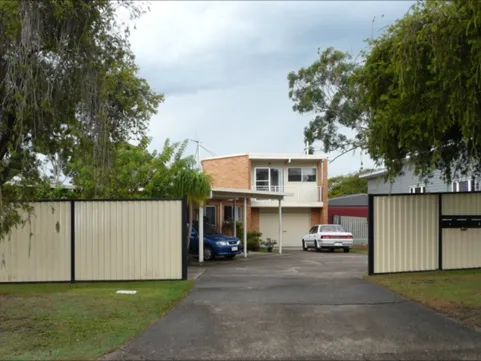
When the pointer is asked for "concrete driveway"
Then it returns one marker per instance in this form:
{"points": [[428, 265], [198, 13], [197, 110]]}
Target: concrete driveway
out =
{"points": [[300, 306]]}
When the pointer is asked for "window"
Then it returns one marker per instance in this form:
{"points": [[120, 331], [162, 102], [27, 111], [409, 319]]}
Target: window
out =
{"points": [[332, 228], [313, 230], [302, 174], [417, 189], [228, 213], [269, 179], [466, 185]]}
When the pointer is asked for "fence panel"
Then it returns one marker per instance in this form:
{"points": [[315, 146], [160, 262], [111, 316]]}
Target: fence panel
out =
{"points": [[461, 247], [358, 226], [128, 240], [405, 233], [39, 250]]}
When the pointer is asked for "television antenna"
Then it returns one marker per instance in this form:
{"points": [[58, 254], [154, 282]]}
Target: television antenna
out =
{"points": [[197, 152]]}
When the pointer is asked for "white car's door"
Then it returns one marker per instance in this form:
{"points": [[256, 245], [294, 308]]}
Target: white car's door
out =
{"points": [[307, 238], [312, 236]]}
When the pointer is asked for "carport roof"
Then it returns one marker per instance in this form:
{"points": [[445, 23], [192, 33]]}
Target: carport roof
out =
{"points": [[230, 193]]}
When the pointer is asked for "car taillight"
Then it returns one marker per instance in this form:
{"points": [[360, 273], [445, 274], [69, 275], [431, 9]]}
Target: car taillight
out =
{"points": [[326, 237]]}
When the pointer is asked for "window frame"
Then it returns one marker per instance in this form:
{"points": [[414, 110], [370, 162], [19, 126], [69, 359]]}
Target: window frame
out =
{"points": [[471, 185], [412, 189], [238, 208], [316, 175], [269, 186]]}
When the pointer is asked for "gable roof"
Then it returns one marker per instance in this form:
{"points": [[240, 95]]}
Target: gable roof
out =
{"points": [[353, 200]]}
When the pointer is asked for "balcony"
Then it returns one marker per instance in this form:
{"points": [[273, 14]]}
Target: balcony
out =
{"points": [[301, 196]]}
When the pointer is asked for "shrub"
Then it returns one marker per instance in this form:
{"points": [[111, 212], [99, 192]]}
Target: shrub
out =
{"points": [[254, 241], [227, 228]]}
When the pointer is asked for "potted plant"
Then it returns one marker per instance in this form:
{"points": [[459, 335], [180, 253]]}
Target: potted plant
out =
{"points": [[270, 243]]}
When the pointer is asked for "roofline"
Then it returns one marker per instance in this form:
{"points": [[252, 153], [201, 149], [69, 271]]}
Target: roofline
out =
{"points": [[226, 193], [349, 196], [375, 174], [271, 156]]}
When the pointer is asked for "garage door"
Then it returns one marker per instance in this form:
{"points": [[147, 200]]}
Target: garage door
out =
{"points": [[294, 223]]}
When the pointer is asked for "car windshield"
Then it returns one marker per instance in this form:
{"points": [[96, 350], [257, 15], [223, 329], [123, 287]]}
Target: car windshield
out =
{"points": [[332, 228], [208, 228]]}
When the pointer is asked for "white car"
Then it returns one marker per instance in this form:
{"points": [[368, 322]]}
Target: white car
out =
{"points": [[327, 236]]}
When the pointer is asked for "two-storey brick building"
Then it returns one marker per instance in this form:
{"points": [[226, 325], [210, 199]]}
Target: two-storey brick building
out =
{"points": [[304, 177]]}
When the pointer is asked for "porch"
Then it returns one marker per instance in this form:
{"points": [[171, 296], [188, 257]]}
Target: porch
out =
{"points": [[242, 195]]}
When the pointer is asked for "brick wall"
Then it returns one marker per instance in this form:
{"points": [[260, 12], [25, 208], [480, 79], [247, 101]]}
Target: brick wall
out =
{"points": [[233, 172]]}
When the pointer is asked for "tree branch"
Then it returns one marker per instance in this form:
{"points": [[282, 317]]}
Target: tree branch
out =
{"points": [[340, 155]]}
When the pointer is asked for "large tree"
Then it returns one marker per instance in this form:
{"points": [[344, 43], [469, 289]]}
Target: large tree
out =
{"points": [[68, 84], [134, 171], [348, 184], [415, 92]]}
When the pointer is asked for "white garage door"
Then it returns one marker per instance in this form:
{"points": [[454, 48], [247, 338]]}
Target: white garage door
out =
{"points": [[294, 223]]}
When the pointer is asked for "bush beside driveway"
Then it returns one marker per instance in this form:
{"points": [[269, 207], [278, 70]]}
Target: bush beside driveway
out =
{"points": [[79, 321]]}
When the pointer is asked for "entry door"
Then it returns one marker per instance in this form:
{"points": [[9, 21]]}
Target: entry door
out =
{"points": [[211, 215]]}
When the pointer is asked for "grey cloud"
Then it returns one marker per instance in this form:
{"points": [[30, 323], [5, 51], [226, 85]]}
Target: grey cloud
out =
{"points": [[298, 34]]}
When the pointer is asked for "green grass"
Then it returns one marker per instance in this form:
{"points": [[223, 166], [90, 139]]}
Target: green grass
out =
{"points": [[454, 293], [79, 321], [358, 250]]}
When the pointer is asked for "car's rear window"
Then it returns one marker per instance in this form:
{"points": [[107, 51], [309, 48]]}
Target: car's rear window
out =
{"points": [[333, 228]]}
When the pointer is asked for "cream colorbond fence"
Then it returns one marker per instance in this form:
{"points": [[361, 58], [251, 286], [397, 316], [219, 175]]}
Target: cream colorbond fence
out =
{"points": [[422, 232], [69, 241]]}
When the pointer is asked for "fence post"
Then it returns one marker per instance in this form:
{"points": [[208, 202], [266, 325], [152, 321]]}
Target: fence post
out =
{"points": [[72, 241], [440, 232], [185, 251], [370, 235]]}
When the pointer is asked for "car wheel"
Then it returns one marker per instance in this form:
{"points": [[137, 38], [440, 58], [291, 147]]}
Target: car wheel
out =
{"points": [[208, 254], [304, 248], [317, 248], [347, 250], [231, 256]]}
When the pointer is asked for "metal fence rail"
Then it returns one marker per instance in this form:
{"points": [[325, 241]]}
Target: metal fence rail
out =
{"points": [[358, 226]]}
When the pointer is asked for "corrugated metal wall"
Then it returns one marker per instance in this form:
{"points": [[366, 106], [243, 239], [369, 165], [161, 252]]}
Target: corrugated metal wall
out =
{"points": [[405, 233], [358, 226], [40, 250], [461, 248], [114, 240], [128, 240]]}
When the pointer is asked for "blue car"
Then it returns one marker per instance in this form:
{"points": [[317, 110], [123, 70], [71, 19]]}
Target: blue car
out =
{"points": [[215, 244]]}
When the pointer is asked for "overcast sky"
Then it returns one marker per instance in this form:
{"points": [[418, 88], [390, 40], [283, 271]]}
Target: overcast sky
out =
{"points": [[223, 67]]}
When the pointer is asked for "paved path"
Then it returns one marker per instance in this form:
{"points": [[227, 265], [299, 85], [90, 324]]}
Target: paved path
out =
{"points": [[300, 306]]}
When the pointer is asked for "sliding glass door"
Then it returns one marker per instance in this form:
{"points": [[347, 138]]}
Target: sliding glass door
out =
{"points": [[269, 179]]}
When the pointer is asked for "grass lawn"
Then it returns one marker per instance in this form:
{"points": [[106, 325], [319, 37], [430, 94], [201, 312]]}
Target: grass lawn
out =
{"points": [[454, 293], [359, 249], [79, 321]]}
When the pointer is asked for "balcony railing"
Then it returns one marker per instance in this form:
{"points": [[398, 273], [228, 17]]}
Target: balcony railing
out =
{"points": [[299, 194]]}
